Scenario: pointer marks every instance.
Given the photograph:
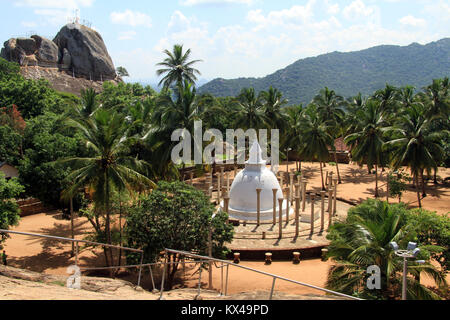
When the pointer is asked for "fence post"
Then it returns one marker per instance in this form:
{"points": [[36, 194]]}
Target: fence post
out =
{"points": [[76, 254], [226, 281], [163, 276], [199, 281], [273, 287], [140, 269], [151, 276]]}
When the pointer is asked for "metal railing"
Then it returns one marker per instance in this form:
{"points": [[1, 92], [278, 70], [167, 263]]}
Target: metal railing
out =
{"points": [[77, 241], [227, 264], [201, 259]]}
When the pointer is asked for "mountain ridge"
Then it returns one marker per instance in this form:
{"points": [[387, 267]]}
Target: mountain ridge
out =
{"points": [[348, 73]]}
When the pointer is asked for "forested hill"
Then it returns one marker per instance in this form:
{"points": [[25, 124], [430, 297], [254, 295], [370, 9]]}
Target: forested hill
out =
{"points": [[349, 73]]}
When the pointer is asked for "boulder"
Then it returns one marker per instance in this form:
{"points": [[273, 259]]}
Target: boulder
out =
{"points": [[27, 44], [66, 60], [87, 50], [12, 52], [48, 51]]}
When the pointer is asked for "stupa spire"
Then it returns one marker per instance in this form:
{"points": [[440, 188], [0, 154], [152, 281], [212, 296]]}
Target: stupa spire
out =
{"points": [[256, 154]]}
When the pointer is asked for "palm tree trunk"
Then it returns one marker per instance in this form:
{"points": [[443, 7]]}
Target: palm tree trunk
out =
{"points": [[416, 178], [120, 228], [321, 174], [435, 176], [337, 167], [424, 193], [108, 220], [376, 181]]}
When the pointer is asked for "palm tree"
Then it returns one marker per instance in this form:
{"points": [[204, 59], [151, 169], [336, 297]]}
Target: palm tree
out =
{"points": [[273, 103], [363, 240], [88, 106], [172, 113], [293, 131], [109, 168], [250, 113], [436, 99], [415, 145], [368, 141], [177, 68], [329, 105], [388, 98], [316, 133], [353, 106]]}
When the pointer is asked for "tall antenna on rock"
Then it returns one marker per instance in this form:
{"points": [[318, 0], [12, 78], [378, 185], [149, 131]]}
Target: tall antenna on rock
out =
{"points": [[77, 16]]}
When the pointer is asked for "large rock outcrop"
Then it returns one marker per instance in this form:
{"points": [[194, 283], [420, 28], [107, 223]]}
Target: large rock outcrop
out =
{"points": [[38, 50], [76, 49], [88, 54]]}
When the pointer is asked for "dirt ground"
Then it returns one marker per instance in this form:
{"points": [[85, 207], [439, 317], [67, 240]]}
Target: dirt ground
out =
{"points": [[52, 257]]}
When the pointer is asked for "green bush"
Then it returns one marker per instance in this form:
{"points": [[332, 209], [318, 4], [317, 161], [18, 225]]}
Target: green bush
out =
{"points": [[176, 216], [9, 209]]}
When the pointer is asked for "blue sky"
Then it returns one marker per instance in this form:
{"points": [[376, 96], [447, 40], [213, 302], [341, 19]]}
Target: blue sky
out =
{"points": [[234, 38]]}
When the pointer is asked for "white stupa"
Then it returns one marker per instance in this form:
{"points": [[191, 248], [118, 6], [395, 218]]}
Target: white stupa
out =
{"points": [[243, 196]]}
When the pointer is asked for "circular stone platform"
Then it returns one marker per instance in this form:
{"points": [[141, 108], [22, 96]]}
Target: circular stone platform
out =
{"points": [[248, 239]]}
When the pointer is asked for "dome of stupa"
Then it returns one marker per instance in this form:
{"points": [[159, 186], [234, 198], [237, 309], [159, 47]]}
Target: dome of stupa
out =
{"points": [[243, 195]]}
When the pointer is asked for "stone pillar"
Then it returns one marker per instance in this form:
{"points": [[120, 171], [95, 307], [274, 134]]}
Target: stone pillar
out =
{"points": [[313, 199], [330, 180], [280, 219], [268, 260], [281, 179], [324, 254], [210, 187], [330, 199], [301, 187], [322, 211], [226, 202], [330, 207], [288, 207], [258, 206], [335, 196], [297, 216], [296, 257], [228, 181], [219, 188], [291, 187], [304, 196], [224, 192], [275, 191], [297, 191]]}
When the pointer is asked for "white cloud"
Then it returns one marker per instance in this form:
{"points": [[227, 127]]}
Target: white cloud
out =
{"points": [[294, 16], [412, 21], [131, 18], [71, 4], [29, 24], [270, 40], [127, 35], [357, 9], [190, 3], [54, 12]]}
